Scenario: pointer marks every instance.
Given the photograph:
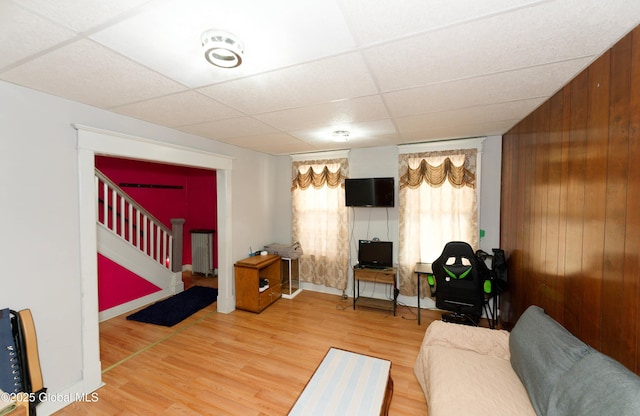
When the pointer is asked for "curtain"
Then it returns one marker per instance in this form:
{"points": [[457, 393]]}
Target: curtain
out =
{"points": [[320, 221], [438, 204]]}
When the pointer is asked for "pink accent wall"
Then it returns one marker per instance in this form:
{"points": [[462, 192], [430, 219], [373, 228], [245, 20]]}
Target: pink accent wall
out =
{"points": [[201, 209], [194, 198], [117, 285], [195, 202]]}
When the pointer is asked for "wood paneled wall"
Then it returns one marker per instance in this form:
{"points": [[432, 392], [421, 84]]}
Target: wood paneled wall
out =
{"points": [[570, 206]]}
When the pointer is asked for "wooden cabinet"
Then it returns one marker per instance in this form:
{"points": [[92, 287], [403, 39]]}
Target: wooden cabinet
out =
{"points": [[248, 273]]}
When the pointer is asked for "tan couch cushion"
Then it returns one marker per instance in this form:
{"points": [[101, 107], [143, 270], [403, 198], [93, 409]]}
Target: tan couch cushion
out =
{"points": [[461, 382], [470, 338], [466, 370]]}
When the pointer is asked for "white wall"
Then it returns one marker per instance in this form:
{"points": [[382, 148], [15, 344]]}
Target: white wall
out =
{"points": [[367, 223], [40, 204], [282, 201], [490, 192]]}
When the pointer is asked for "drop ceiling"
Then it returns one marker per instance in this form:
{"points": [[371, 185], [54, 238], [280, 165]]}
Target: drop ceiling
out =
{"points": [[389, 71]]}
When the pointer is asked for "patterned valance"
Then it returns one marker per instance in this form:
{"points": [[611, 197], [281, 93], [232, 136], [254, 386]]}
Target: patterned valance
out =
{"points": [[318, 173], [428, 170]]}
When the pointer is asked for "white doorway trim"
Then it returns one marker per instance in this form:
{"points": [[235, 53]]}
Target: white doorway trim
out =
{"points": [[93, 141]]}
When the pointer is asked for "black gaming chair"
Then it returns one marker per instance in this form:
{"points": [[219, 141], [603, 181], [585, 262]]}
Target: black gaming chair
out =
{"points": [[460, 284]]}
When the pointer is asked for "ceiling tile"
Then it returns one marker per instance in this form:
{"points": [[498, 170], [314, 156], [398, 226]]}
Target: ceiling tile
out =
{"points": [[381, 20], [327, 114], [541, 81], [181, 109], [23, 34], [335, 78], [458, 132], [80, 16], [278, 143], [87, 72], [501, 43], [359, 132], [432, 69], [496, 113], [230, 129], [275, 34]]}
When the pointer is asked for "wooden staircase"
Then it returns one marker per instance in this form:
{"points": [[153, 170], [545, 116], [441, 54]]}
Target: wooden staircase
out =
{"points": [[132, 237]]}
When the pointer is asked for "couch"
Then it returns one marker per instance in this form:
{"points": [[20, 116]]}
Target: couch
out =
{"points": [[539, 368]]}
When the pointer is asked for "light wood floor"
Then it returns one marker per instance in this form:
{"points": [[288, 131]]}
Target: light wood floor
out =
{"points": [[248, 364], [197, 279]]}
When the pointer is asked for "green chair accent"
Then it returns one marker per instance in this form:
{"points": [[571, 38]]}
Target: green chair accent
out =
{"points": [[431, 280], [453, 274], [488, 287]]}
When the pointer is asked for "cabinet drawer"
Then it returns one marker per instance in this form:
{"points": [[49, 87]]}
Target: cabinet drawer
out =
{"points": [[375, 276], [269, 296]]}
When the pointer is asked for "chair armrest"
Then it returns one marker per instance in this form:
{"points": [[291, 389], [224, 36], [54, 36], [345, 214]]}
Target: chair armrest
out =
{"points": [[431, 281], [487, 287]]}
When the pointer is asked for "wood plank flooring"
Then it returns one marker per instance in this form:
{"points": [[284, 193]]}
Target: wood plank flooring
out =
{"points": [[248, 364]]}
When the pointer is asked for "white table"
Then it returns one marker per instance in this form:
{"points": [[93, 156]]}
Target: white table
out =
{"points": [[347, 383]]}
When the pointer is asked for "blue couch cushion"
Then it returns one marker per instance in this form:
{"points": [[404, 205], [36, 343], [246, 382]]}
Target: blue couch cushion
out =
{"points": [[541, 352], [597, 385]]}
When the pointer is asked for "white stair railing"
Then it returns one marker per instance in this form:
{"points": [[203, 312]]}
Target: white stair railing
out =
{"points": [[124, 217]]}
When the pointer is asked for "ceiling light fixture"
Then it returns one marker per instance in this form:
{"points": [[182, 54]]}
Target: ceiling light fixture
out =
{"points": [[341, 135], [222, 48]]}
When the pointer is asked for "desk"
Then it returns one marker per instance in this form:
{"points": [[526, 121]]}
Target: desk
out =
{"points": [[385, 276], [422, 268]]}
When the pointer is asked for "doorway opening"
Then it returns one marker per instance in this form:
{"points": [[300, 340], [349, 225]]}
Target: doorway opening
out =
{"points": [[92, 142]]}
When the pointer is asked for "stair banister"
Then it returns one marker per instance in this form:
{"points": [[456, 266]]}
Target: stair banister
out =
{"points": [[132, 216]]}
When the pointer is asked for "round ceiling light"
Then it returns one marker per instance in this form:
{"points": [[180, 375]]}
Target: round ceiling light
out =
{"points": [[341, 135], [222, 49]]}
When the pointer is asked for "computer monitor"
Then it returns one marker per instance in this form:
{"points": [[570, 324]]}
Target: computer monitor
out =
{"points": [[375, 253]]}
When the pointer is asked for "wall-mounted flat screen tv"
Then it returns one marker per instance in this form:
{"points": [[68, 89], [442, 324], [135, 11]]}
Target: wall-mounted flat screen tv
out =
{"points": [[375, 253], [369, 192]]}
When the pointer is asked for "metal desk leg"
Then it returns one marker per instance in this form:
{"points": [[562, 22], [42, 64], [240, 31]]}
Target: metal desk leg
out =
{"points": [[355, 282], [418, 274], [395, 293]]}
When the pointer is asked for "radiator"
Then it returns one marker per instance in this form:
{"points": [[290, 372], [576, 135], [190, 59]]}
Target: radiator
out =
{"points": [[202, 251]]}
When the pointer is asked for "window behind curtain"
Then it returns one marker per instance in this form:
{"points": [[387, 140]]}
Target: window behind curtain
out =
{"points": [[438, 204], [320, 221]]}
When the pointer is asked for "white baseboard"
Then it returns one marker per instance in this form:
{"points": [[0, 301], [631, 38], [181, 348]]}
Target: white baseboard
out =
{"points": [[54, 402], [137, 303]]}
